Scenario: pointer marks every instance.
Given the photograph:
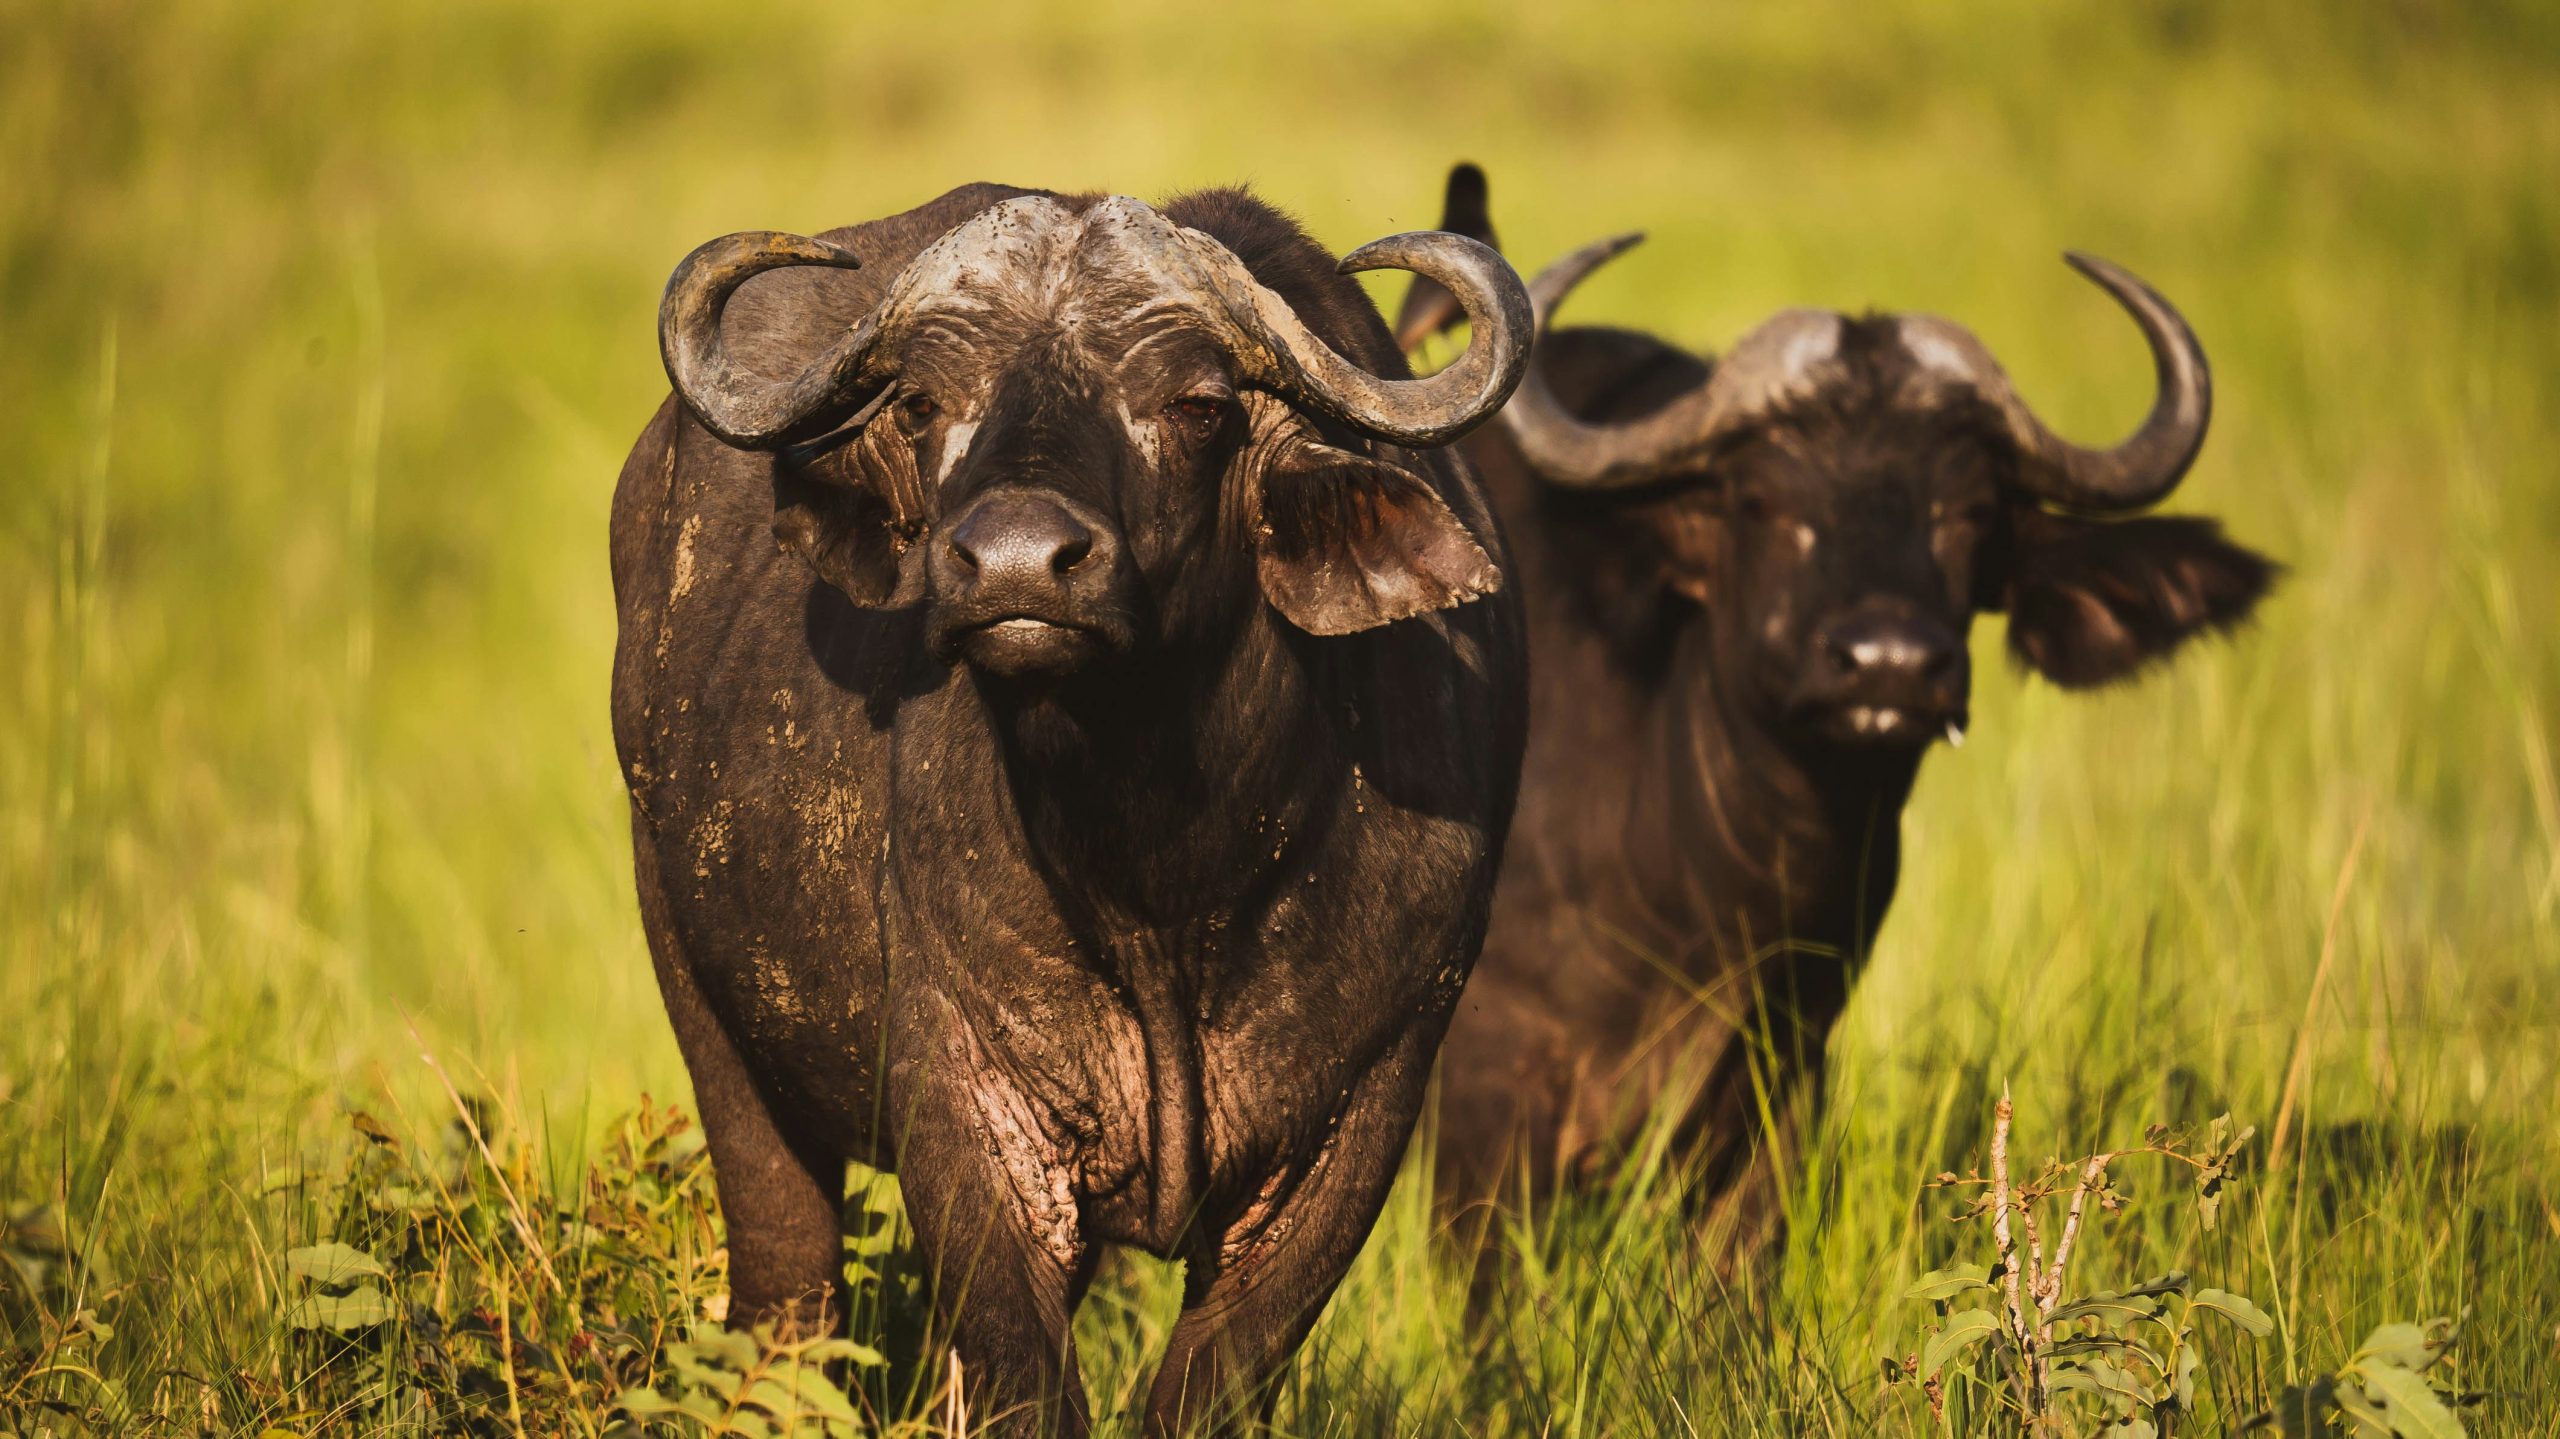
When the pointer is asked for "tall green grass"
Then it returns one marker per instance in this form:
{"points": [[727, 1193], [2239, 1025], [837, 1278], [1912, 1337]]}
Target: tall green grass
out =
{"points": [[323, 328]]}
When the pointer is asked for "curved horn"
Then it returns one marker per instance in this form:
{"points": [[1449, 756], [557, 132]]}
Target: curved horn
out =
{"points": [[1277, 348], [1788, 355], [2151, 461], [746, 411]]}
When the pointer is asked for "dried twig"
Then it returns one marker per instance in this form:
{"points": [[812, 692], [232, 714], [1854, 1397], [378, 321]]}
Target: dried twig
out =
{"points": [[2027, 1198], [2030, 1389], [2090, 1178]]}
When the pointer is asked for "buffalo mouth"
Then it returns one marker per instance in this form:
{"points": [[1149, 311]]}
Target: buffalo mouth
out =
{"points": [[1861, 725], [1026, 646]]}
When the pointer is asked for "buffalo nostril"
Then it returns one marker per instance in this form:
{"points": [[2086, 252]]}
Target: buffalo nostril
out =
{"points": [[1013, 539], [1882, 650]]}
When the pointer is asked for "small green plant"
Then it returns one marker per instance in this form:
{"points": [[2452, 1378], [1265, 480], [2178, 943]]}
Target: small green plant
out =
{"points": [[54, 1287], [2020, 1348], [2015, 1350], [33, 1381], [2381, 1392], [462, 1287], [722, 1383]]}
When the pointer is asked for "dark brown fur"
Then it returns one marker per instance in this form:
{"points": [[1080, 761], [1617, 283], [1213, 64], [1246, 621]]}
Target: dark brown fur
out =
{"points": [[1701, 856], [1155, 954]]}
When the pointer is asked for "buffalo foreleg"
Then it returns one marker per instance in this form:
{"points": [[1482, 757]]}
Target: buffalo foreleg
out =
{"points": [[781, 1194], [1006, 1269], [1250, 1300]]}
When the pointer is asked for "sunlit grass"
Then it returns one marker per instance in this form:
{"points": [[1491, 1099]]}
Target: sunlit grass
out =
{"points": [[323, 330]]}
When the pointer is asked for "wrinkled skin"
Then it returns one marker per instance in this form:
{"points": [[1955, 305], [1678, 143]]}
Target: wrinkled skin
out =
{"points": [[1005, 824], [1736, 674]]}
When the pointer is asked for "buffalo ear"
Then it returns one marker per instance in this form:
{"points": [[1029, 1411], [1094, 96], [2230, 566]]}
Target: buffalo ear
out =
{"points": [[1346, 542], [835, 513], [2091, 601]]}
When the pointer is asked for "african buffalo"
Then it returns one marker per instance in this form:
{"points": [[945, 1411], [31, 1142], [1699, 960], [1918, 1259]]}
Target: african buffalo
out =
{"points": [[1090, 806], [1749, 586]]}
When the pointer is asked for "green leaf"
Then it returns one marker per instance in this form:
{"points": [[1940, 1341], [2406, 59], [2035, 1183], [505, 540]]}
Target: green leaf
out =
{"points": [[729, 1346], [2150, 1357], [2107, 1378], [334, 1264], [2173, 1282], [2237, 1309], [2079, 1344], [1962, 1332], [802, 1401], [2402, 1346], [2369, 1420], [700, 1376], [2415, 1410], [815, 1394], [1939, 1285], [2116, 1308], [845, 1351], [646, 1404], [359, 1308], [2068, 1380], [2190, 1363], [2113, 1349], [2140, 1302]]}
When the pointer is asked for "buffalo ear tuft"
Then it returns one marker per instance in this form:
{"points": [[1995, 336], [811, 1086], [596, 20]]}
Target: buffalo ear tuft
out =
{"points": [[2093, 601], [1349, 543], [838, 521]]}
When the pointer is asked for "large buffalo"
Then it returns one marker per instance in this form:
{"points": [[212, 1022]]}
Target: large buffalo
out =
{"points": [[1071, 710], [1749, 586]]}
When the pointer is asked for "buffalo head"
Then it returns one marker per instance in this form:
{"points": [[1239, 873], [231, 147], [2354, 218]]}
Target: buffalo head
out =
{"points": [[1074, 429], [1839, 495]]}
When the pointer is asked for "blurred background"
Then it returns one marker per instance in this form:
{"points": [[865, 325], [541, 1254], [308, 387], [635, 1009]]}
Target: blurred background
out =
{"points": [[324, 328]]}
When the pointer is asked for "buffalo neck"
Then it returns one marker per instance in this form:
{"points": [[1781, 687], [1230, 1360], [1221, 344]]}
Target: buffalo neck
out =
{"points": [[1129, 789], [1128, 781], [1765, 838]]}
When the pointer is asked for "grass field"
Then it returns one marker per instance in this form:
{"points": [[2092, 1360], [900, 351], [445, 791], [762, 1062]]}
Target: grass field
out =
{"points": [[323, 328]]}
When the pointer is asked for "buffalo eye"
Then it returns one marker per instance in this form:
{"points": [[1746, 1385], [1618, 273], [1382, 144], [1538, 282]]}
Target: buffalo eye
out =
{"points": [[1196, 417], [918, 408]]}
